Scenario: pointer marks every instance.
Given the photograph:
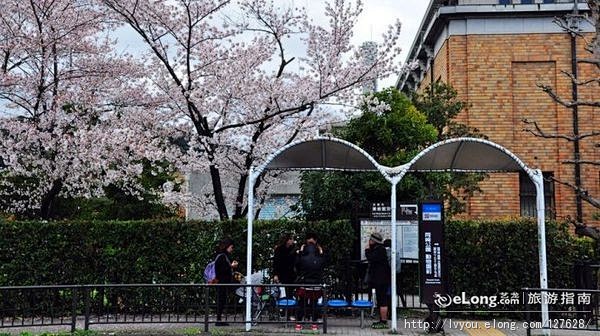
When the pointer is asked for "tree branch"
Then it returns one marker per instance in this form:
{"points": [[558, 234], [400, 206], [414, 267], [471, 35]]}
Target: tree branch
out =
{"points": [[540, 133], [583, 229], [568, 104], [593, 163], [595, 202]]}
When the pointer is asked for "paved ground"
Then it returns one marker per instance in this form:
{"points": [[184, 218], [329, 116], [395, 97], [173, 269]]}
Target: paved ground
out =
{"points": [[337, 326]]}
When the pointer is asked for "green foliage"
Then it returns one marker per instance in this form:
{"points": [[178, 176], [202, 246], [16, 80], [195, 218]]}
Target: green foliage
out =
{"points": [[116, 204], [489, 257], [440, 104], [160, 251], [60, 333], [392, 137], [191, 331]]}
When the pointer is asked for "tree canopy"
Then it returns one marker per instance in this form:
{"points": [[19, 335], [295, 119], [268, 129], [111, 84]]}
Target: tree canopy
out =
{"points": [[211, 93], [393, 128]]}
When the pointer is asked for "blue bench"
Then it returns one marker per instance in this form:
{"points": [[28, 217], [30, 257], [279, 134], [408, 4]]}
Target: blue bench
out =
{"points": [[337, 303], [362, 305], [286, 304]]}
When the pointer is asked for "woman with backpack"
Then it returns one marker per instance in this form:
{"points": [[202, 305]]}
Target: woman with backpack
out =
{"points": [[223, 275]]}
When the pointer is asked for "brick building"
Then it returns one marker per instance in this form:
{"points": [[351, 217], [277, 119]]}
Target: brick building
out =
{"points": [[494, 53]]}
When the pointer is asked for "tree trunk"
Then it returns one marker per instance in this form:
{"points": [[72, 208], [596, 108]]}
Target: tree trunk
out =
{"points": [[215, 176], [48, 201], [239, 201]]}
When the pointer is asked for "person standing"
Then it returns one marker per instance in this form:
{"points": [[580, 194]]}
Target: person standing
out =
{"points": [[310, 262], [224, 275], [379, 276], [283, 261]]}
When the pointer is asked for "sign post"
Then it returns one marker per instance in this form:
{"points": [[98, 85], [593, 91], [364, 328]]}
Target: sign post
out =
{"points": [[432, 261]]}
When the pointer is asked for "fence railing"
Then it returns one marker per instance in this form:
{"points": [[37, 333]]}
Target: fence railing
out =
{"points": [[407, 282], [569, 309], [86, 305], [82, 306]]}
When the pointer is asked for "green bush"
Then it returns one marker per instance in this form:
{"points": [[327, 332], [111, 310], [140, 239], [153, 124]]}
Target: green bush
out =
{"points": [[490, 257], [484, 257], [167, 251]]}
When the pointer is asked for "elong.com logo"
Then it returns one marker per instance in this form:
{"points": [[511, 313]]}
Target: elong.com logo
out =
{"points": [[445, 300]]}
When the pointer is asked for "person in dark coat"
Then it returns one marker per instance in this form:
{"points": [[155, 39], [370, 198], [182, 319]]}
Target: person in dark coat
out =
{"points": [[310, 262], [283, 261], [224, 274], [379, 276]]}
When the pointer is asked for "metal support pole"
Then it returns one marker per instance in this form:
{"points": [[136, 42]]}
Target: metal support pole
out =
{"points": [[249, 250], [538, 180], [206, 309], [86, 300], [74, 311], [394, 252], [325, 306]]}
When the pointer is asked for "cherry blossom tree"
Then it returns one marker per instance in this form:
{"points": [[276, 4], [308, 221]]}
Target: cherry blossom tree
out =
{"points": [[233, 88], [63, 92]]}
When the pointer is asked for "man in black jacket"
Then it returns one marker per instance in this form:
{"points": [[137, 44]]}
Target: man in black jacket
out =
{"points": [[310, 263], [379, 276]]}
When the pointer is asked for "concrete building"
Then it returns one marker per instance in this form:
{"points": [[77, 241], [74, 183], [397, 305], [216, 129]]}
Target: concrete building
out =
{"points": [[495, 53], [277, 204]]}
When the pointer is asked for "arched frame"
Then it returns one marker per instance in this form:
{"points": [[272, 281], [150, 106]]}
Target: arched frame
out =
{"points": [[503, 160]]}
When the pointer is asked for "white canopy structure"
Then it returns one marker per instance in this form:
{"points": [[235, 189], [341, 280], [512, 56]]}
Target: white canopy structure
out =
{"points": [[458, 155]]}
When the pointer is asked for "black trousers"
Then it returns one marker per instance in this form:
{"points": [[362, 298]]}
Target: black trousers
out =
{"points": [[221, 301], [307, 303]]}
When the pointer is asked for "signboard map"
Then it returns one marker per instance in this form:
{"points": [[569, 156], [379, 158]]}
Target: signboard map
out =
{"points": [[407, 233]]}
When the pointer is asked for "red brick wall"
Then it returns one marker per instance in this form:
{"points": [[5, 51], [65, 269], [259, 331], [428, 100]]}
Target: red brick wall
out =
{"points": [[498, 76]]}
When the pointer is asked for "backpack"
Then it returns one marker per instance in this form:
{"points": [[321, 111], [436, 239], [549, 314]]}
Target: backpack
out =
{"points": [[210, 273]]}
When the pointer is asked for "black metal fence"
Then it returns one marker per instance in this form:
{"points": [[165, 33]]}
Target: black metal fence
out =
{"points": [[86, 305], [35, 306], [569, 309], [407, 283]]}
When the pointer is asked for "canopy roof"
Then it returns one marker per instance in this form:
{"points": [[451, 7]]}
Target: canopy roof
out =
{"points": [[322, 153], [466, 155], [460, 154]]}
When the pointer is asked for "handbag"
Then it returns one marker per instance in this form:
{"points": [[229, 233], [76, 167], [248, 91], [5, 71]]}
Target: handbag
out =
{"points": [[367, 278]]}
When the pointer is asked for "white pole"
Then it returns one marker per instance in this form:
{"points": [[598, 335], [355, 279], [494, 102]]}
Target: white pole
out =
{"points": [[538, 180], [249, 249], [394, 242]]}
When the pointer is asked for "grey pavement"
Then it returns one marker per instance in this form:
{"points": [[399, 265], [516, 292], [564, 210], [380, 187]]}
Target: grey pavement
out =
{"points": [[336, 326]]}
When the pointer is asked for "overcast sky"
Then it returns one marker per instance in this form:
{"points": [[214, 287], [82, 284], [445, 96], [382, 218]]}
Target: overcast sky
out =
{"points": [[374, 21]]}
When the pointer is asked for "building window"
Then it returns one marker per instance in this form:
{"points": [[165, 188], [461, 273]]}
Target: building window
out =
{"points": [[526, 2], [278, 206], [527, 194], [505, 2]]}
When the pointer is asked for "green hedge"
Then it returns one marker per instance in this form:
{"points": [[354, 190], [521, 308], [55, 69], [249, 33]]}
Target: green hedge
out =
{"points": [[484, 257], [489, 257], [168, 251]]}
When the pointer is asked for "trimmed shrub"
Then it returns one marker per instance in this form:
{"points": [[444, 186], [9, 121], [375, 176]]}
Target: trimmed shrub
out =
{"points": [[154, 251], [490, 257]]}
